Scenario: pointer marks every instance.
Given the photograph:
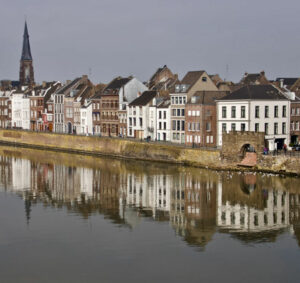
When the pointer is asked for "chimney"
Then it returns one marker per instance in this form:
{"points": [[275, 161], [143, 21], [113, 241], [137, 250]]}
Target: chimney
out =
{"points": [[262, 73], [44, 84], [281, 83]]}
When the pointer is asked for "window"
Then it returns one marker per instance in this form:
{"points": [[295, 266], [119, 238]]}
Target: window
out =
{"points": [[159, 114], [173, 112], [266, 111], [266, 128], [283, 128], [243, 127], [174, 125], [275, 128], [165, 114], [197, 113], [189, 113], [276, 111], [208, 126], [182, 112], [256, 127], [233, 111], [233, 127], [178, 112], [292, 126], [204, 79], [182, 125], [224, 127], [224, 112], [243, 112], [178, 125], [256, 111], [284, 111]]}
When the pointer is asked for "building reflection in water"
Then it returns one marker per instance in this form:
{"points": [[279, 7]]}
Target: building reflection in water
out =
{"points": [[197, 203]]}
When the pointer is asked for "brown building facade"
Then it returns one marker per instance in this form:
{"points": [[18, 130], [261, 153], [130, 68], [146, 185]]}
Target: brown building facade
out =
{"points": [[5, 110], [109, 121], [201, 119], [295, 121]]}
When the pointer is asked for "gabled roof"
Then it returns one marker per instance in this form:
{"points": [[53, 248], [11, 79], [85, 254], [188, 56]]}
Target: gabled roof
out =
{"points": [[144, 98], [63, 89], [207, 97], [26, 52], [191, 78], [255, 92], [157, 72], [117, 83]]}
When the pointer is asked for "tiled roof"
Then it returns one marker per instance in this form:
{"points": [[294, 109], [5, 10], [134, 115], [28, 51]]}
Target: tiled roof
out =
{"points": [[207, 97], [255, 92], [287, 81], [68, 86], [144, 98], [192, 77], [117, 83]]}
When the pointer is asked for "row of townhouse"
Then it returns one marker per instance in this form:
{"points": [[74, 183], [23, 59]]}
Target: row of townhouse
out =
{"points": [[195, 111]]}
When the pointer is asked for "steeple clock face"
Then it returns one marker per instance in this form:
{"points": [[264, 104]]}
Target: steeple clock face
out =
{"points": [[27, 74]]}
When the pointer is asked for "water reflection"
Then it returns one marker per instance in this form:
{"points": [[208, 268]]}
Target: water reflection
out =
{"points": [[197, 203]]}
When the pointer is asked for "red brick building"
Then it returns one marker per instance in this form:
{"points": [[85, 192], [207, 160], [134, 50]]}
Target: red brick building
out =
{"points": [[201, 119], [5, 109], [109, 122]]}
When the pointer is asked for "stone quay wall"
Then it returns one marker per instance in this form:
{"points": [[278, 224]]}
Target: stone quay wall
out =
{"points": [[114, 147], [131, 149]]}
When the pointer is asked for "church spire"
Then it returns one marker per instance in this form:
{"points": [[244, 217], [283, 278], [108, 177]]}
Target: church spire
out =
{"points": [[26, 66], [26, 53]]}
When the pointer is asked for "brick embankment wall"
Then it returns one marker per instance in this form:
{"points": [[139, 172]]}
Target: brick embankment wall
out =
{"points": [[112, 147]]}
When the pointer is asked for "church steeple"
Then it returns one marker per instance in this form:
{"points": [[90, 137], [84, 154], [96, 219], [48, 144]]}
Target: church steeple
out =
{"points": [[26, 53], [26, 66]]}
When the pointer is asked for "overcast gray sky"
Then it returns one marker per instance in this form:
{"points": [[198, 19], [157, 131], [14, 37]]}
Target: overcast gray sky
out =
{"points": [[134, 37]]}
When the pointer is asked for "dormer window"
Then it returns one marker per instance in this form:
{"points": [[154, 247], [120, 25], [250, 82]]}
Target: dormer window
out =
{"points": [[177, 88]]}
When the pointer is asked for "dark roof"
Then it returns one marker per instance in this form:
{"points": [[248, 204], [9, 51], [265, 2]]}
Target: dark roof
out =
{"points": [[191, 78], [287, 81], [144, 98], [117, 83], [26, 53], [165, 103], [257, 92], [67, 86], [207, 97]]}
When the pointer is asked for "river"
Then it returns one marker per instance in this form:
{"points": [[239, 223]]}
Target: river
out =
{"points": [[76, 218]]}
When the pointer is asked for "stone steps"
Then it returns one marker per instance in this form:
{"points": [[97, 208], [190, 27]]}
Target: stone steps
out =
{"points": [[249, 160]]}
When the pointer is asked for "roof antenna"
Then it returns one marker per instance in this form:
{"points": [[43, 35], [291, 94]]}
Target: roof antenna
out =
{"points": [[227, 71]]}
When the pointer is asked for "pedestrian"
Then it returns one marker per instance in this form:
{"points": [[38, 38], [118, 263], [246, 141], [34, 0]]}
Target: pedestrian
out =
{"points": [[284, 148]]}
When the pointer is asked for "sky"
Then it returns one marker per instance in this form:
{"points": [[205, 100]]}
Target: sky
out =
{"points": [[109, 38]]}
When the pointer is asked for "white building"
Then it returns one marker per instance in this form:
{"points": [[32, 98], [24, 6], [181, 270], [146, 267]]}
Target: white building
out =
{"points": [[86, 119], [141, 116], [163, 121], [257, 108], [20, 109]]}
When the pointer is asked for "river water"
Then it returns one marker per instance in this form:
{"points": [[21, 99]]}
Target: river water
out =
{"points": [[74, 218]]}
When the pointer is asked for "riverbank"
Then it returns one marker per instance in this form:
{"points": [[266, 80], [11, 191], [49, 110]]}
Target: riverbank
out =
{"points": [[131, 149]]}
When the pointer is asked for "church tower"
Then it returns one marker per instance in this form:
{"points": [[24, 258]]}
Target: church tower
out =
{"points": [[26, 66]]}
